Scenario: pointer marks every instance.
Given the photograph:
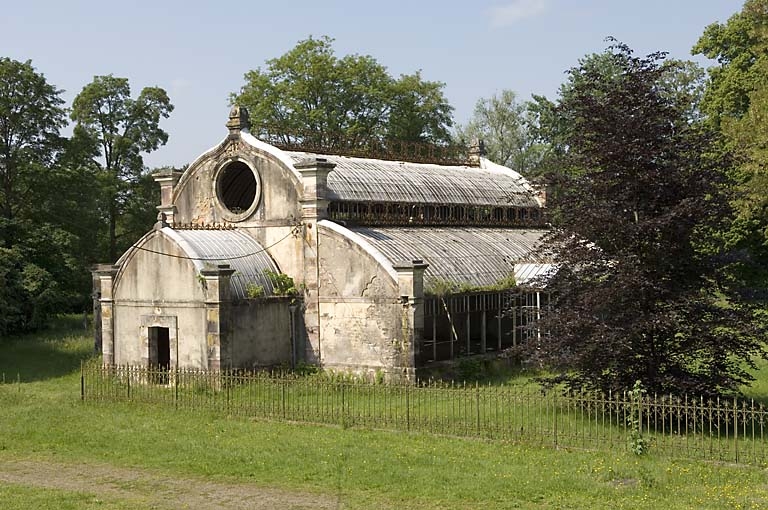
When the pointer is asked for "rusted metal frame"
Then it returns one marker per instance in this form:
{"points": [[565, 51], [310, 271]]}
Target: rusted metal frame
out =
{"points": [[203, 226], [468, 326], [409, 214], [463, 304], [499, 317], [396, 150], [434, 337]]}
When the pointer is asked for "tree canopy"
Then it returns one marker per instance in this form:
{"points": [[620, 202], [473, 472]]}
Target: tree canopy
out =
{"points": [[64, 202], [739, 46], [506, 126], [31, 116], [117, 129], [40, 268], [641, 293], [310, 95], [736, 103]]}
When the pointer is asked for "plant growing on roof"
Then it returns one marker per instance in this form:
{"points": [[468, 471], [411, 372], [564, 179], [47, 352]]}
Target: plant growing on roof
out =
{"points": [[282, 284], [254, 290]]}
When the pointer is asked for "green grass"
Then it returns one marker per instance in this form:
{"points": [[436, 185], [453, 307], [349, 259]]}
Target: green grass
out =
{"points": [[42, 418], [13, 497]]}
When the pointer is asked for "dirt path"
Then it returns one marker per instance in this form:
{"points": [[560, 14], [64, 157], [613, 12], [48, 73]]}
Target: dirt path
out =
{"points": [[153, 488]]}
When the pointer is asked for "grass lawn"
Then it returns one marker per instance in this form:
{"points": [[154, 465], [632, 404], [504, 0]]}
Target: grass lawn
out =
{"points": [[43, 420], [18, 496]]}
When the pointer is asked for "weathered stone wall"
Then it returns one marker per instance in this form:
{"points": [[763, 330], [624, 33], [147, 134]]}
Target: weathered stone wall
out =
{"points": [[258, 333], [155, 290], [276, 216], [363, 323], [195, 194], [355, 315]]}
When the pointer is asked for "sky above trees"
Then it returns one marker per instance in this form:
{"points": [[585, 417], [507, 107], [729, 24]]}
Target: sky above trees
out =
{"points": [[199, 51]]}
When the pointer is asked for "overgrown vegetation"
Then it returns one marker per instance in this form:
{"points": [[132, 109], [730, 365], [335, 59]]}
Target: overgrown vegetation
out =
{"points": [[254, 290], [282, 284], [440, 287], [636, 442]]}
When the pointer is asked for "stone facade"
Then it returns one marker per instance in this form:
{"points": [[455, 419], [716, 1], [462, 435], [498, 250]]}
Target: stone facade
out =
{"points": [[241, 213]]}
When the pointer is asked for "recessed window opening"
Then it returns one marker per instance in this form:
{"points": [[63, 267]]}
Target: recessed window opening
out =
{"points": [[237, 187]]}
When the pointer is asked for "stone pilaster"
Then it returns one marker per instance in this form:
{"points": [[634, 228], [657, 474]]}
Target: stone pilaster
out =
{"points": [[167, 179], [217, 296], [314, 207], [410, 280], [104, 328]]}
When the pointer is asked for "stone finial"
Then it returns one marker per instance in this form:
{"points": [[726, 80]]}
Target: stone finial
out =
{"points": [[238, 120], [476, 151]]}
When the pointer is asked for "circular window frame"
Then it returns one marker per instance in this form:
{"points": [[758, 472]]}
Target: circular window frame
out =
{"points": [[220, 206]]}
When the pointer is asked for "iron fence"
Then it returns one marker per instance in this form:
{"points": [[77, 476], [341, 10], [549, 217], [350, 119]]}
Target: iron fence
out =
{"points": [[722, 430]]}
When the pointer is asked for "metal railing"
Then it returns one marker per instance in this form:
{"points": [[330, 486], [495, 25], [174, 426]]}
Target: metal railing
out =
{"points": [[723, 430]]}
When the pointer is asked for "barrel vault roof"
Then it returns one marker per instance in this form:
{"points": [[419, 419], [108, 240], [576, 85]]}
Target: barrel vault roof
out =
{"points": [[234, 247], [475, 256], [373, 180]]}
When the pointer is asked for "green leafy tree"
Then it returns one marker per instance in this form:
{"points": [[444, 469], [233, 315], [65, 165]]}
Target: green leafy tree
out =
{"points": [[739, 46], [506, 126], [119, 129], [31, 115], [736, 102], [418, 111], [33, 250], [641, 292], [310, 96]]}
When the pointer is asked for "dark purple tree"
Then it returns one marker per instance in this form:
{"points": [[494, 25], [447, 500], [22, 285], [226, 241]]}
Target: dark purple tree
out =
{"points": [[641, 293]]}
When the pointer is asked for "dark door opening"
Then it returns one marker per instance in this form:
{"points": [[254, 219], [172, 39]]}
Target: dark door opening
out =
{"points": [[160, 352]]}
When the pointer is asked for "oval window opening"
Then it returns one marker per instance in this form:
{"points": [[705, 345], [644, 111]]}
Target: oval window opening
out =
{"points": [[237, 187]]}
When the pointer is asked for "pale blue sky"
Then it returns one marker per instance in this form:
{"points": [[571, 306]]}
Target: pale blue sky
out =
{"points": [[198, 51]]}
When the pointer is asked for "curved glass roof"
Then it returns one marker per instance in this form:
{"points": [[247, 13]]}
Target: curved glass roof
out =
{"points": [[234, 247], [374, 180], [474, 256]]}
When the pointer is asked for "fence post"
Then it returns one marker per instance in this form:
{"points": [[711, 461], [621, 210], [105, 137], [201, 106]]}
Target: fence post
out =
{"points": [[554, 418], [477, 404], [342, 416], [128, 375], [176, 386], [82, 381], [282, 395], [407, 409], [735, 431]]}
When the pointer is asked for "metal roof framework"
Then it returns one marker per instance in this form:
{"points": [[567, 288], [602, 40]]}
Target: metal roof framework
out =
{"points": [[210, 248], [362, 180], [474, 256]]}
